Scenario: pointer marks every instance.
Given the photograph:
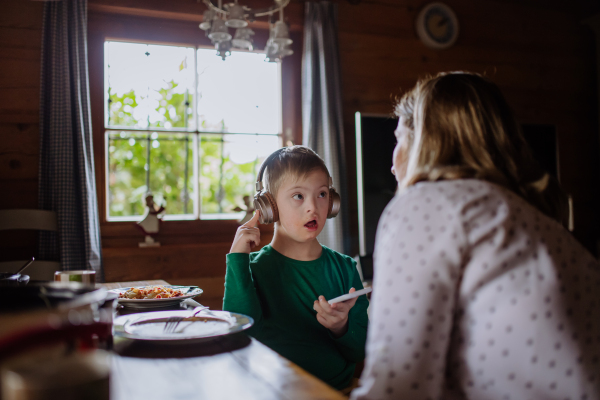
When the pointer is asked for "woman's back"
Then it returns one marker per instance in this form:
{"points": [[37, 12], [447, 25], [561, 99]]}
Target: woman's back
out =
{"points": [[479, 295]]}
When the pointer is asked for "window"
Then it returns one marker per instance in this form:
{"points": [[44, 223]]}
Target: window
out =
{"points": [[188, 127]]}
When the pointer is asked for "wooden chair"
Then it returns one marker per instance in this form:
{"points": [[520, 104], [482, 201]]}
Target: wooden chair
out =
{"points": [[35, 220]]}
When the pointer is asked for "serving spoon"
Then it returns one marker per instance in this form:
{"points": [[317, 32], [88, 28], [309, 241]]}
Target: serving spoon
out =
{"points": [[27, 264]]}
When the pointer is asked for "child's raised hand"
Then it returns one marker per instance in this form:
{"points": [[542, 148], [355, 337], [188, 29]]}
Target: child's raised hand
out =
{"points": [[247, 236], [334, 316]]}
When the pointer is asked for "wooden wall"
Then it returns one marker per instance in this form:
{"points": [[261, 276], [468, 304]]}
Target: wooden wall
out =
{"points": [[20, 52], [542, 58]]}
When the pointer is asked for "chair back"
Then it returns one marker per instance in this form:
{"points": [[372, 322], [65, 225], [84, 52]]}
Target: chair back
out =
{"points": [[34, 220], [28, 219]]}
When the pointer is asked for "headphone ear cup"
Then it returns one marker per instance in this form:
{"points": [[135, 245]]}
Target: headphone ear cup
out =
{"points": [[335, 203], [265, 203], [274, 207]]}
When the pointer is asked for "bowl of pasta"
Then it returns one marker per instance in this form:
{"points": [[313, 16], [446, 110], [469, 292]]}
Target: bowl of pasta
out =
{"points": [[155, 296]]}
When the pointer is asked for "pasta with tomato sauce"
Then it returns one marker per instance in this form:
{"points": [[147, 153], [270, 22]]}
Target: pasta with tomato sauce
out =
{"points": [[150, 292]]}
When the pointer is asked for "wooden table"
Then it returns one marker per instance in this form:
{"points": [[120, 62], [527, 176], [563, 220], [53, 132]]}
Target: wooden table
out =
{"points": [[230, 367]]}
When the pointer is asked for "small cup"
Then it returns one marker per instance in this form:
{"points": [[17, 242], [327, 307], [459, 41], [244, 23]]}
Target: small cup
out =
{"points": [[85, 276]]}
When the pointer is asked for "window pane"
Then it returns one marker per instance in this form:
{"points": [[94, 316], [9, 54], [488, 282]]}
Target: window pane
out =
{"points": [[149, 85], [170, 173], [240, 95], [152, 89], [228, 165], [126, 174]]}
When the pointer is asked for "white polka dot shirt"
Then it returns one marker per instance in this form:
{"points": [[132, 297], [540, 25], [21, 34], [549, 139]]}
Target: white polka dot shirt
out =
{"points": [[478, 295]]}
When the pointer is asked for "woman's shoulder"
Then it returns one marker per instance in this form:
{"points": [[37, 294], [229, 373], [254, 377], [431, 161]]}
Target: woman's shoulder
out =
{"points": [[447, 206], [441, 193], [451, 193]]}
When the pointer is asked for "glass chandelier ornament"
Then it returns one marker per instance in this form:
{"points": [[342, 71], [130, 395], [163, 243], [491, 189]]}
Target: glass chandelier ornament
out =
{"points": [[243, 38], [223, 48], [207, 18], [281, 36], [218, 18], [277, 45], [219, 31], [236, 19]]}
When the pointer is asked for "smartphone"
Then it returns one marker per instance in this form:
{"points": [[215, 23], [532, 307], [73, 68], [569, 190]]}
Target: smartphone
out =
{"points": [[349, 296]]}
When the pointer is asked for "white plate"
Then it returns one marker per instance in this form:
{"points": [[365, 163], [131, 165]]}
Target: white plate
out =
{"points": [[155, 303], [205, 325]]}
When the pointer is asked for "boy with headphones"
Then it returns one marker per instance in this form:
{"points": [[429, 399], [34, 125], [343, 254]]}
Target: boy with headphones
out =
{"points": [[284, 286]]}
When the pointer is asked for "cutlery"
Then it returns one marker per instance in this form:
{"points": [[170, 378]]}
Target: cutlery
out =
{"points": [[173, 322], [27, 264]]}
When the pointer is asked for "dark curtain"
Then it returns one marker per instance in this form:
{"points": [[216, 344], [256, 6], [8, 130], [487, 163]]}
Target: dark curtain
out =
{"points": [[66, 180], [322, 110]]}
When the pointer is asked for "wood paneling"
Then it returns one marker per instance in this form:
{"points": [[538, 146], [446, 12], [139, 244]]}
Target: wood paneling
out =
{"points": [[19, 156], [20, 45], [186, 10], [542, 59], [165, 262]]}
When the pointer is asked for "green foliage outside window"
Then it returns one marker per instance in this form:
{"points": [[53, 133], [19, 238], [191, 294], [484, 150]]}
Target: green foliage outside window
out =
{"points": [[142, 160], [175, 108], [221, 192], [120, 108], [127, 172], [223, 183]]}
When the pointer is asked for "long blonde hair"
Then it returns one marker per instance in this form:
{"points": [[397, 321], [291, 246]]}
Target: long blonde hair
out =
{"points": [[463, 128]]}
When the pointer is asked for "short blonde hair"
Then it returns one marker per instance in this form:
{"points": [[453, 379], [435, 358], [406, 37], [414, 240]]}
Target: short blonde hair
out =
{"points": [[294, 162], [463, 128]]}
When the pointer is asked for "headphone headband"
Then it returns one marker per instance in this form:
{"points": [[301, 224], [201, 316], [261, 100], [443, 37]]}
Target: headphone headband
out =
{"points": [[258, 185]]}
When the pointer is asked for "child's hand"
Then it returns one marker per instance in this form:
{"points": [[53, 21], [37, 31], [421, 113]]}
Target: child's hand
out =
{"points": [[334, 316], [247, 236]]}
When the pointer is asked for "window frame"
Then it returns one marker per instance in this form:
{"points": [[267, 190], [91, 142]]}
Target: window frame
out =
{"points": [[196, 134], [179, 32]]}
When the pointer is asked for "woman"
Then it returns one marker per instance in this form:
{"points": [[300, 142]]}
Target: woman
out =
{"points": [[479, 291]]}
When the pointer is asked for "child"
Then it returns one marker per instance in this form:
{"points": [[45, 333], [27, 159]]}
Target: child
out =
{"points": [[285, 286]]}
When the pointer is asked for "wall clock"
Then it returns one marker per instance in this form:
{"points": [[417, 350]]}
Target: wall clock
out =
{"points": [[437, 26]]}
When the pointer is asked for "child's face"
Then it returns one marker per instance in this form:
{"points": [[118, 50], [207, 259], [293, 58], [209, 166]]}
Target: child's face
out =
{"points": [[303, 206]]}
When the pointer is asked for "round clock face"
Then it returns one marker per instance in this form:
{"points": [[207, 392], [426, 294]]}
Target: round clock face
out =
{"points": [[437, 26]]}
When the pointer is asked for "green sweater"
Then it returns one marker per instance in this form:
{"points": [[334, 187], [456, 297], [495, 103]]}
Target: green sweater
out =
{"points": [[278, 292]]}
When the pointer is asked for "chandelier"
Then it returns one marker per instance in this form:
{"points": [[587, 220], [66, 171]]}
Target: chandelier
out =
{"points": [[217, 20]]}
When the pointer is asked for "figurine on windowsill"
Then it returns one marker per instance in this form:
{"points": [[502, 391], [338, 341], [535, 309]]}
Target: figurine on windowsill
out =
{"points": [[249, 210], [151, 221]]}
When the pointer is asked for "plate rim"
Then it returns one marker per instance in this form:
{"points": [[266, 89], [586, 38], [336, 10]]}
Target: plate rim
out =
{"points": [[121, 321], [197, 292]]}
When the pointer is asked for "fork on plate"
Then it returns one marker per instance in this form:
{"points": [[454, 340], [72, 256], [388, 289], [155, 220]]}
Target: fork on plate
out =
{"points": [[172, 322]]}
